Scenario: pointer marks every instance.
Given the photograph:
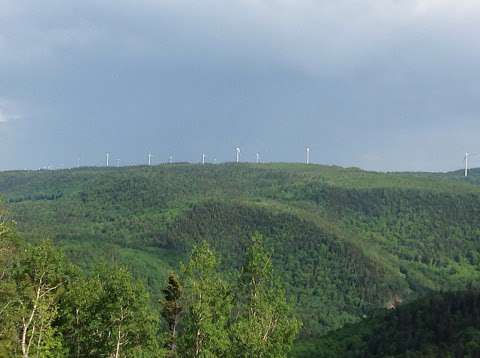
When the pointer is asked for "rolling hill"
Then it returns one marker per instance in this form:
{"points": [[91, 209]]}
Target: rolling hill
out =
{"points": [[347, 242]]}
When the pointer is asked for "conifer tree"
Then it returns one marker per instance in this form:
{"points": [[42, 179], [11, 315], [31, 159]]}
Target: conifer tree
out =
{"points": [[171, 311]]}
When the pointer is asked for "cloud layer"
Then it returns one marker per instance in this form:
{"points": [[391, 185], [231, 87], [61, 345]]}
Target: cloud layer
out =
{"points": [[371, 83]]}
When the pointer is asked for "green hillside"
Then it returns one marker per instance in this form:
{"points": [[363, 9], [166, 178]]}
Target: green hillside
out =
{"points": [[346, 241], [440, 325]]}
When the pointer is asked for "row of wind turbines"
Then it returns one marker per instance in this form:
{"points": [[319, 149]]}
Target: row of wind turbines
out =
{"points": [[204, 158]]}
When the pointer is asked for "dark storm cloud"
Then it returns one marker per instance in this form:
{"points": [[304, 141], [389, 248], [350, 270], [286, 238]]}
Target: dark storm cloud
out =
{"points": [[378, 84]]}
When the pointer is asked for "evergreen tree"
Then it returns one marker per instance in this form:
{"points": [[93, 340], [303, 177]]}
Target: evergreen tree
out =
{"points": [[171, 311]]}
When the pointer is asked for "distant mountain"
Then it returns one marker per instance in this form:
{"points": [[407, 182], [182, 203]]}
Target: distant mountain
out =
{"points": [[346, 241]]}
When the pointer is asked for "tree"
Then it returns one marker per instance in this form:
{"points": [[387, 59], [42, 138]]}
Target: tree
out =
{"points": [[79, 320], [109, 315], [171, 311], [207, 307], [8, 254], [40, 275], [265, 325]]}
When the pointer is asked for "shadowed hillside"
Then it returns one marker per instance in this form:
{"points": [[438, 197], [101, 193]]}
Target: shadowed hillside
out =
{"points": [[440, 325]]}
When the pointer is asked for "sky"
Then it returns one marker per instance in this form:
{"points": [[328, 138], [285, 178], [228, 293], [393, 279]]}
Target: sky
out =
{"points": [[387, 85]]}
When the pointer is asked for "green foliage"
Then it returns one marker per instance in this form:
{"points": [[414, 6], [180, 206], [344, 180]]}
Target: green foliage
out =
{"points": [[265, 325], [345, 242], [109, 314], [246, 316], [207, 307], [49, 309], [39, 276], [8, 252], [439, 325], [171, 311]]}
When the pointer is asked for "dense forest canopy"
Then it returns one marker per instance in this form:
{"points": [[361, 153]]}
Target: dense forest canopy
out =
{"points": [[344, 242], [48, 308], [445, 324]]}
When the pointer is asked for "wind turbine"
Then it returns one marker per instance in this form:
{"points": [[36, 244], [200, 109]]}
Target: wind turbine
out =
{"points": [[307, 160], [467, 157], [203, 159], [237, 150], [108, 158], [466, 164], [170, 159], [150, 159], [258, 158]]}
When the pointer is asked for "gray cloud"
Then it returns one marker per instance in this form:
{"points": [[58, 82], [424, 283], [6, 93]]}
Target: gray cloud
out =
{"points": [[364, 83]]}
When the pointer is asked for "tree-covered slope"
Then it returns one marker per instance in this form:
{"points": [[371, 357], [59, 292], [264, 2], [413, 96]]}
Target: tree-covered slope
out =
{"points": [[346, 241], [330, 279], [439, 325]]}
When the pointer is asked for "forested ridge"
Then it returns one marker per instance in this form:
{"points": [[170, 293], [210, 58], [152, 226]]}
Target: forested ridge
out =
{"points": [[345, 242], [445, 324]]}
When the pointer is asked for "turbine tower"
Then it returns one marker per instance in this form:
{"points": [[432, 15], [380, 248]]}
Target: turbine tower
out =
{"points": [[307, 160], [170, 159], [258, 158], [150, 159], [203, 159], [238, 154], [466, 164], [108, 158]]}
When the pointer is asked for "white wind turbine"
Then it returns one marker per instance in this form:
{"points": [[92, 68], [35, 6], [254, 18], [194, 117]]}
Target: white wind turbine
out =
{"points": [[466, 164], [237, 152], [466, 159]]}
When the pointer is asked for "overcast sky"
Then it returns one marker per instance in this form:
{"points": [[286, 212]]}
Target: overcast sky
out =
{"points": [[379, 84]]}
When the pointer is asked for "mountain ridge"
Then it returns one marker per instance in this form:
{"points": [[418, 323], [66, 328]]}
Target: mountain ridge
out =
{"points": [[346, 241]]}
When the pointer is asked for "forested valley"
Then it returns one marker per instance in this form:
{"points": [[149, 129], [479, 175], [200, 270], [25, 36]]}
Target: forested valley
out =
{"points": [[48, 308], [267, 260]]}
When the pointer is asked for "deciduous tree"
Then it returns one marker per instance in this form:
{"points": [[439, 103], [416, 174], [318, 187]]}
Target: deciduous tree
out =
{"points": [[265, 325], [208, 307]]}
